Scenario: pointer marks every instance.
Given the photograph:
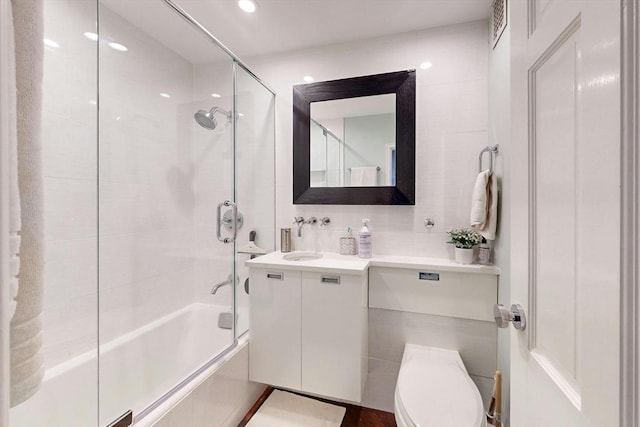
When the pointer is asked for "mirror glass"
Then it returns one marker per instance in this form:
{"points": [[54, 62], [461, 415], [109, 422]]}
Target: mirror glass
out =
{"points": [[353, 142]]}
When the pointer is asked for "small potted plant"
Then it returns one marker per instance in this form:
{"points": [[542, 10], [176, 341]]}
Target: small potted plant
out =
{"points": [[464, 239]]}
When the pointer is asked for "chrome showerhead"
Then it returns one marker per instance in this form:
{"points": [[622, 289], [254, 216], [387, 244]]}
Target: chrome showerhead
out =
{"points": [[207, 120]]}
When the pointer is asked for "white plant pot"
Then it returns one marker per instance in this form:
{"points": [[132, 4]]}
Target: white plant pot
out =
{"points": [[464, 256]]}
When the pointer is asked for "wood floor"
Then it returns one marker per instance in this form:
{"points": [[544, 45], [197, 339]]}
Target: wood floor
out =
{"points": [[356, 416]]}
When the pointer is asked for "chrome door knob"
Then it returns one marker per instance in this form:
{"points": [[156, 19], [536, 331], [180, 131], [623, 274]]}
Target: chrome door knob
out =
{"points": [[504, 316]]}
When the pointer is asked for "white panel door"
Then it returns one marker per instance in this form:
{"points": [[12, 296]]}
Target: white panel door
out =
{"points": [[565, 212]]}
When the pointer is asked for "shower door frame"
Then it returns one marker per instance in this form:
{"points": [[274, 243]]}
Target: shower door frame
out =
{"points": [[236, 62]]}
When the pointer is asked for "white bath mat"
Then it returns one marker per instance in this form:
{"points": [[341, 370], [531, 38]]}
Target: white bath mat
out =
{"points": [[284, 409]]}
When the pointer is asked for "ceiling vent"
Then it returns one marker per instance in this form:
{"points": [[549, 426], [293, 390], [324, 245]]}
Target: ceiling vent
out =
{"points": [[498, 20]]}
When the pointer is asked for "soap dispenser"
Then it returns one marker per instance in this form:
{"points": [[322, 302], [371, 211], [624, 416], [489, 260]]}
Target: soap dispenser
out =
{"points": [[364, 240]]}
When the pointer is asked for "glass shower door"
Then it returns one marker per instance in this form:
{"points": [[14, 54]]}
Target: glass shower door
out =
{"points": [[166, 206], [255, 175]]}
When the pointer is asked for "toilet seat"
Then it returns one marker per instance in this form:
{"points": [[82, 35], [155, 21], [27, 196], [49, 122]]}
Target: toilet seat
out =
{"points": [[434, 389]]}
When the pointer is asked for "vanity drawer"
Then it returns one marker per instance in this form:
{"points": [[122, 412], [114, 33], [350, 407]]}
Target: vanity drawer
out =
{"points": [[443, 293]]}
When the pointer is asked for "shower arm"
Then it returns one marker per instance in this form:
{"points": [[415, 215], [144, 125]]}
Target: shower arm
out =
{"points": [[214, 110]]}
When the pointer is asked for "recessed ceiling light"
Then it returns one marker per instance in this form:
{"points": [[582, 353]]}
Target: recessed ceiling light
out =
{"points": [[117, 46], [426, 65], [91, 36], [307, 79], [165, 95], [240, 115], [51, 43], [216, 95], [247, 6], [93, 102]]}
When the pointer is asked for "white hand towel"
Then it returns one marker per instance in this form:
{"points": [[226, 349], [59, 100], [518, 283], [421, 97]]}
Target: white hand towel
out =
{"points": [[489, 230], [26, 361], [364, 176], [479, 206], [484, 205]]}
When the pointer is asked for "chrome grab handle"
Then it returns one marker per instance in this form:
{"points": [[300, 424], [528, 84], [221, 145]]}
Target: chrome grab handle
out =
{"points": [[234, 209], [514, 315]]}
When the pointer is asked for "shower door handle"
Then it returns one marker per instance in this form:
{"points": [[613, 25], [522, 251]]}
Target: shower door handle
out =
{"points": [[234, 209]]}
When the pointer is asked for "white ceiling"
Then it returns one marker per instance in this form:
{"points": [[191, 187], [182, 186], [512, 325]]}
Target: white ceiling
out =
{"points": [[284, 25]]}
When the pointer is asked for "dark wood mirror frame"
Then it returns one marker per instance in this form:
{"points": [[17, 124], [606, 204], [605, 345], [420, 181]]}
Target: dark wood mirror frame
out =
{"points": [[403, 84]]}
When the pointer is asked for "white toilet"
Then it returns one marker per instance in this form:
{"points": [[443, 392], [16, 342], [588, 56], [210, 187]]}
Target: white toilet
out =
{"points": [[435, 390]]}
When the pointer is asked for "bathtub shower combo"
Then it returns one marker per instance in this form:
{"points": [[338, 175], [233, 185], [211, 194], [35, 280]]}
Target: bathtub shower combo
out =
{"points": [[158, 167]]}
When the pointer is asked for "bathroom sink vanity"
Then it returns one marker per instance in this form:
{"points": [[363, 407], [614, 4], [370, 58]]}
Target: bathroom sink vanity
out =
{"points": [[309, 315], [309, 324]]}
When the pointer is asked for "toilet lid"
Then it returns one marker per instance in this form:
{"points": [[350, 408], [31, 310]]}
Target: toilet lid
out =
{"points": [[438, 393]]}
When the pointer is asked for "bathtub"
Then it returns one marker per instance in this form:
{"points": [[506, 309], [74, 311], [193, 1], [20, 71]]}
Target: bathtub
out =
{"points": [[135, 370]]}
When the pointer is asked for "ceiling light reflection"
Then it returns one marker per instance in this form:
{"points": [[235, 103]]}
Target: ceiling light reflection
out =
{"points": [[117, 46], [247, 6], [51, 43]]}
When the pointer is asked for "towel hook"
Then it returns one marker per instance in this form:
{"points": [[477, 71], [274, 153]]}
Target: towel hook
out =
{"points": [[493, 151]]}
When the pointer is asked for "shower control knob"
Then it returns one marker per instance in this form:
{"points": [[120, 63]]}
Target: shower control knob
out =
{"points": [[504, 316], [324, 221]]}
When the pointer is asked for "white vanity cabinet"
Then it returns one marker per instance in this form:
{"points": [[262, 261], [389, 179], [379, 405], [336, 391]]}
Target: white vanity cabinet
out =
{"points": [[309, 330], [334, 334], [275, 327]]}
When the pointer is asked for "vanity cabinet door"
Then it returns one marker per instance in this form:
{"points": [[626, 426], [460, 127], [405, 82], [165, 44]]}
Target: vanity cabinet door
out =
{"points": [[334, 344], [274, 320]]}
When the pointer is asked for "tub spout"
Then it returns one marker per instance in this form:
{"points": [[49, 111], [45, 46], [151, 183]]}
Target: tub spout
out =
{"points": [[215, 288]]}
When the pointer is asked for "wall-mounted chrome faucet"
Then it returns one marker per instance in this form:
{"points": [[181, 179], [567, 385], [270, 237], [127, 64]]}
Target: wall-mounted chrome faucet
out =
{"points": [[300, 221]]}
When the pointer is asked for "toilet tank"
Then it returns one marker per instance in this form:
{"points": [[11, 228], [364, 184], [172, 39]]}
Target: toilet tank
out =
{"points": [[465, 295]]}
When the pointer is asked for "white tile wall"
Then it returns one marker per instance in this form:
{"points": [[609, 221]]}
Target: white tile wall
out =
{"points": [[146, 206], [69, 154], [452, 99]]}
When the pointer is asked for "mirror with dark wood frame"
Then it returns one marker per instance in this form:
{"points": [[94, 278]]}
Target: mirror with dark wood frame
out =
{"points": [[403, 85]]}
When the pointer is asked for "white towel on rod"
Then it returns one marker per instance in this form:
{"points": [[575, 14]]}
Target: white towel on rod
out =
{"points": [[27, 364], [364, 176], [9, 138], [484, 205], [479, 200]]}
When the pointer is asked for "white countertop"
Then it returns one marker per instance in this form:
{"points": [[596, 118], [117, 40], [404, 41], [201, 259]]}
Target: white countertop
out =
{"points": [[352, 264]]}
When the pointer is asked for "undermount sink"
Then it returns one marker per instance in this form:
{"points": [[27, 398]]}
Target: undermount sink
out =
{"points": [[302, 256]]}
